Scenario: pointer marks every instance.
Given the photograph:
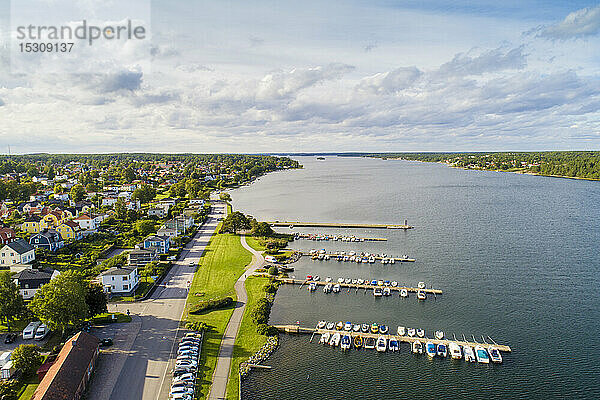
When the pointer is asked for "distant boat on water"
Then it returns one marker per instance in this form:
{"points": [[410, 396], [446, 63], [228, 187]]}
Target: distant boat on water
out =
{"points": [[320, 158]]}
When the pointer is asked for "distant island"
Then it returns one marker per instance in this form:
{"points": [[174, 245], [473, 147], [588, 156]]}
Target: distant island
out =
{"points": [[566, 164]]}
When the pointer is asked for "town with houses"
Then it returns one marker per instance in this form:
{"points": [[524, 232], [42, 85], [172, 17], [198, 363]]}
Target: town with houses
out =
{"points": [[112, 225]]}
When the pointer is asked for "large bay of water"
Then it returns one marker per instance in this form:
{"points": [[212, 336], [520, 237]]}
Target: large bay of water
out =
{"points": [[517, 257]]}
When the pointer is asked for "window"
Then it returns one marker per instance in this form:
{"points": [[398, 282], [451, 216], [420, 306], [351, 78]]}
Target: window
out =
{"points": [[27, 286], [125, 278], [125, 287]]}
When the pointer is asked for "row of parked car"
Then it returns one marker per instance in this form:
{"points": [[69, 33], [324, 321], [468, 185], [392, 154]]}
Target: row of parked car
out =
{"points": [[35, 330], [186, 366]]}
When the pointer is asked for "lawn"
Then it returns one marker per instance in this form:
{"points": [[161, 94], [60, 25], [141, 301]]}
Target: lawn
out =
{"points": [[15, 326], [248, 340], [28, 392], [255, 243], [105, 318], [222, 263]]}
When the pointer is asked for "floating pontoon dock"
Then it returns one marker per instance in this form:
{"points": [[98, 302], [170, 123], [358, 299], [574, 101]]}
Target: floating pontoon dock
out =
{"points": [[357, 286], [333, 256], [337, 225], [406, 339]]}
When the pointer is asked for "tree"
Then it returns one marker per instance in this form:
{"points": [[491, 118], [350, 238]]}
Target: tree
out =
{"points": [[27, 358], [11, 302], [145, 227], [235, 222], [193, 187], [225, 196], [128, 174], [8, 390], [262, 229], [61, 302], [95, 298], [31, 172], [144, 194], [120, 209], [77, 193], [58, 188]]}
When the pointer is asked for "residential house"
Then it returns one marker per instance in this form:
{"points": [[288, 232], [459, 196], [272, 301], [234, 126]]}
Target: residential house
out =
{"points": [[32, 224], [17, 252], [109, 201], [7, 235], [134, 205], [68, 377], [70, 230], [52, 220], [87, 221], [196, 201], [38, 197], [50, 240], [61, 196], [158, 212], [120, 280], [141, 257], [170, 232], [29, 280], [160, 243]]}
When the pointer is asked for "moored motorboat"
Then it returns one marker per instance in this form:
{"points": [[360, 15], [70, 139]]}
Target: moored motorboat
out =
{"points": [[374, 282], [383, 329], [335, 339], [321, 324], [356, 327], [330, 325], [442, 350], [403, 293], [439, 335], [381, 344], [495, 354], [312, 287], [377, 292], [336, 288], [361, 281], [339, 325], [325, 338], [455, 351], [369, 343], [482, 355], [401, 331], [347, 281], [374, 328], [420, 333], [469, 354], [387, 291], [328, 279], [421, 285], [327, 288], [394, 284], [393, 344], [421, 295], [358, 342], [430, 349], [417, 347], [364, 328], [411, 332], [348, 326], [346, 342], [340, 280]]}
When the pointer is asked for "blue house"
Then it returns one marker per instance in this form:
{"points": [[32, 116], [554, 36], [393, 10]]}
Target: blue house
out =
{"points": [[160, 243], [50, 240]]}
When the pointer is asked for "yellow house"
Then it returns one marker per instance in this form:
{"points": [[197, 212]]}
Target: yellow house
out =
{"points": [[70, 230], [32, 224], [51, 220]]}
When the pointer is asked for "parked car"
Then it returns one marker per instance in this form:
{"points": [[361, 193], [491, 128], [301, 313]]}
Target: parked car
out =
{"points": [[182, 390], [183, 370], [106, 342], [10, 338], [184, 377], [29, 331], [192, 264], [41, 332]]}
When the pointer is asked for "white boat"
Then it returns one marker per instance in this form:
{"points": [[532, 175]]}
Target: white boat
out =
{"points": [[411, 332], [327, 288], [356, 328], [482, 355], [469, 354], [352, 253], [340, 280], [321, 324], [351, 258], [325, 338], [348, 326], [442, 350], [401, 331], [417, 347], [377, 292], [346, 342], [455, 351], [495, 354], [430, 349], [387, 291], [393, 344], [439, 335], [330, 325], [328, 279], [336, 288], [354, 281], [420, 333], [380, 283], [312, 287], [361, 281], [421, 285], [371, 260], [347, 280], [346, 258], [358, 259], [392, 260], [364, 328], [381, 344], [394, 283], [316, 278], [421, 295], [335, 339], [403, 293]]}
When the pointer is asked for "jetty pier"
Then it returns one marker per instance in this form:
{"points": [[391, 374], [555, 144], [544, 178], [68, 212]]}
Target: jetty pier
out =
{"points": [[301, 282], [293, 224]]}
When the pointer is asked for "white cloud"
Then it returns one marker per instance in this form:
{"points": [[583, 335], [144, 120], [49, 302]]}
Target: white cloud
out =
{"points": [[489, 61], [580, 23]]}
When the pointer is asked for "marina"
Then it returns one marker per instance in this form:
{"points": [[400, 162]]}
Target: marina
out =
{"points": [[352, 256], [357, 286], [292, 225], [341, 238]]}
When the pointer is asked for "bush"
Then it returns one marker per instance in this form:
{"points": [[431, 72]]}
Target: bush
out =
{"points": [[273, 270], [260, 314], [27, 358], [8, 390], [196, 326], [267, 330], [212, 304], [271, 288]]}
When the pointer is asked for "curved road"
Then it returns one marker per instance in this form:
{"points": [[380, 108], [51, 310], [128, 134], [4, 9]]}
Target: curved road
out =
{"points": [[218, 390]]}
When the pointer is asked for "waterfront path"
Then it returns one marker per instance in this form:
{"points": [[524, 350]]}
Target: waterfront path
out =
{"points": [[218, 390]]}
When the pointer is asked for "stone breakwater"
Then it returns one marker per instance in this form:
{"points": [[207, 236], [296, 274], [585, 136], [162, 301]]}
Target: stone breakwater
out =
{"points": [[260, 356]]}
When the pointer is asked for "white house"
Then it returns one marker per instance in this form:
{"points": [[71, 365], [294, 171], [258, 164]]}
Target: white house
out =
{"points": [[17, 252], [157, 212], [61, 196], [87, 221], [109, 201], [120, 279], [196, 201]]}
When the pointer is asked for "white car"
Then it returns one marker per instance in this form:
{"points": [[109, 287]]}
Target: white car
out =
{"points": [[41, 332], [29, 331]]}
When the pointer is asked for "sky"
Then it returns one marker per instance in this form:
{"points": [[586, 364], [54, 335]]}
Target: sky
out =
{"points": [[310, 76]]}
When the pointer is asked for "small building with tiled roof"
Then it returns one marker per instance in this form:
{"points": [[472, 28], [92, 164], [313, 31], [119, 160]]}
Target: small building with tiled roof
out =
{"points": [[30, 280], [70, 374], [16, 252], [50, 240]]}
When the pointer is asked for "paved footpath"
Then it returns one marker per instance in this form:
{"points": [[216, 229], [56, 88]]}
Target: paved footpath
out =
{"points": [[218, 390]]}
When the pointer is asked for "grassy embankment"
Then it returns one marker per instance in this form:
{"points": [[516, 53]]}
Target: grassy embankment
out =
{"points": [[223, 262], [248, 340]]}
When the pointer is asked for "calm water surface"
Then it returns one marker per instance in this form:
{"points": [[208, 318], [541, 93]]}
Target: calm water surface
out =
{"points": [[516, 256]]}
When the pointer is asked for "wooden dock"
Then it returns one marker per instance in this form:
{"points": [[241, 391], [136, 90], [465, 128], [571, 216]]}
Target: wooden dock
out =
{"points": [[337, 225], [333, 257], [406, 339], [357, 286], [337, 238]]}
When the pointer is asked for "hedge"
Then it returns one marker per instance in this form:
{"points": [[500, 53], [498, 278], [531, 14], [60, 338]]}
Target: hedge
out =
{"points": [[211, 304]]}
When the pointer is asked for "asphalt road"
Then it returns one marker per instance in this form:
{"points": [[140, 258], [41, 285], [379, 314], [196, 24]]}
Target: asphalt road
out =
{"points": [[144, 371]]}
